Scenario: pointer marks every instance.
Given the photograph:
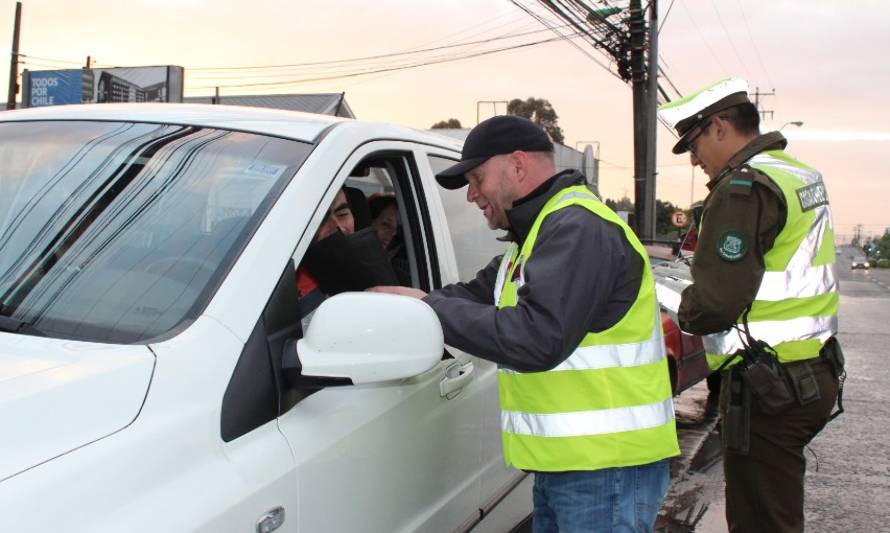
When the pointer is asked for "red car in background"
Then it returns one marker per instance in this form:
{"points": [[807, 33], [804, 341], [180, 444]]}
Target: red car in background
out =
{"points": [[686, 354]]}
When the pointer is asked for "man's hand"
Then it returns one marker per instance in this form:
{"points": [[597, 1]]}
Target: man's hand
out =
{"points": [[396, 289]]}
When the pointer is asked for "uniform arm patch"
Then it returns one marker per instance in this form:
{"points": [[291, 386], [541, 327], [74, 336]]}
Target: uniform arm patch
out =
{"points": [[732, 246], [812, 196]]}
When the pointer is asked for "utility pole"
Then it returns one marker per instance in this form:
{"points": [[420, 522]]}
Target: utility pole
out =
{"points": [[638, 83], [14, 60], [622, 35], [648, 231], [757, 95], [89, 63], [644, 83]]}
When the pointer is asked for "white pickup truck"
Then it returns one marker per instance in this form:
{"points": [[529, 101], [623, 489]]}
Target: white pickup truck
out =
{"points": [[154, 372]]}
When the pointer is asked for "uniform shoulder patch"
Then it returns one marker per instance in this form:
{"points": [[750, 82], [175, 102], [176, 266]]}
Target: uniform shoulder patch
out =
{"points": [[741, 181], [732, 246]]}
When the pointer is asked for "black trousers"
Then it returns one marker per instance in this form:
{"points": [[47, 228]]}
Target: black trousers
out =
{"points": [[765, 487]]}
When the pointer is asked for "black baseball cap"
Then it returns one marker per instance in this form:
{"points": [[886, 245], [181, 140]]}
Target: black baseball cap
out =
{"points": [[503, 134]]}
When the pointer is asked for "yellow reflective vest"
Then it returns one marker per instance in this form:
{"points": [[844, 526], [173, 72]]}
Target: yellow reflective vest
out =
{"points": [[795, 308], [609, 403]]}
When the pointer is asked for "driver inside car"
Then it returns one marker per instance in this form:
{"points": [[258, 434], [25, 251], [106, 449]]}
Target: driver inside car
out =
{"points": [[338, 220], [340, 259]]}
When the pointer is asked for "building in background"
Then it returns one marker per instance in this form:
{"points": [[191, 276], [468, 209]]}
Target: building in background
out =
{"points": [[566, 157], [333, 104], [120, 84]]}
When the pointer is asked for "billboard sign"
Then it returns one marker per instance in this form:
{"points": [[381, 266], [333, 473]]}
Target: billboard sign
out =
{"points": [[54, 87], [120, 84]]}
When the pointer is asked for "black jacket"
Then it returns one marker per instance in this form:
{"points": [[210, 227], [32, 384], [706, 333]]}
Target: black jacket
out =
{"points": [[582, 277]]}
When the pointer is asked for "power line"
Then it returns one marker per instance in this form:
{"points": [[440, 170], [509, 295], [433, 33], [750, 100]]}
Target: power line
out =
{"points": [[665, 19], [729, 38], [365, 58], [390, 69], [50, 59], [754, 44], [554, 29], [473, 27], [705, 41]]}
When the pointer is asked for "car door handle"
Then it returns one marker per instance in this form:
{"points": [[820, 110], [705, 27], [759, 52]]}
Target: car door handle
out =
{"points": [[270, 521], [456, 378]]}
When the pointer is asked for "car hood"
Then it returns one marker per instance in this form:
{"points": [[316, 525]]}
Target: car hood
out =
{"points": [[57, 395], [670, 280]]}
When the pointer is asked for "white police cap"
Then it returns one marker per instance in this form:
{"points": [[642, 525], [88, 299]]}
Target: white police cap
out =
{"points": [[684, 114]]}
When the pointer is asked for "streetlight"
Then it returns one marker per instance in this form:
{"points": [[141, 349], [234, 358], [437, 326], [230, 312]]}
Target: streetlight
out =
{"points": [[797, 123]]}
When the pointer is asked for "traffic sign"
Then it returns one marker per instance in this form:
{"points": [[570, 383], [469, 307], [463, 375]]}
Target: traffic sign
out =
{"points": [[679, 219]]}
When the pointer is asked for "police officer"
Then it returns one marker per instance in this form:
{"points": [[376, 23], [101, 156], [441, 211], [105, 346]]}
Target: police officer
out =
{"points": [[765, 299], [569, 314]]}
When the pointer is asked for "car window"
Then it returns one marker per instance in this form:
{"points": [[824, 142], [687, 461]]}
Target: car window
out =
{"points": [[120, 232], [474, 243], [386, 245]]}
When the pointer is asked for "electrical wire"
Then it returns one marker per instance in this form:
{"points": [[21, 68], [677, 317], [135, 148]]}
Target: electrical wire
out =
{"points": [[754, 45], [473, 27], [53, 60], [391, 69], [705, 41], [576, 45], [337, 69], [731, 43], [666, 15], [364, 58], [352, 71]]}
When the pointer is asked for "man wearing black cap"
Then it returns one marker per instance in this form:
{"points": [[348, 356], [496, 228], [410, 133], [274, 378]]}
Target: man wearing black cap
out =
{"points": [[570, 316], [765, 300]]}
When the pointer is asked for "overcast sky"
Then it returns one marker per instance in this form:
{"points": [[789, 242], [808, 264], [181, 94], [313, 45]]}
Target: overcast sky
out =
{"points": [[825, 59]]}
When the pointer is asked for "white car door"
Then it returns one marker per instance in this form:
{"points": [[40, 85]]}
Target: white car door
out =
{"points": [[466, 245], [396, 456]]}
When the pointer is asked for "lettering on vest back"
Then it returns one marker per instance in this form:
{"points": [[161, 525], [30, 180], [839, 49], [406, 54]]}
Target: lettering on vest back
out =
{"points": [[812, 196]]}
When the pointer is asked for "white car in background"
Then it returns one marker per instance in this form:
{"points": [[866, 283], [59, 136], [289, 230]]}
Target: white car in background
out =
{"points": [[154, 373], [860, 261]]}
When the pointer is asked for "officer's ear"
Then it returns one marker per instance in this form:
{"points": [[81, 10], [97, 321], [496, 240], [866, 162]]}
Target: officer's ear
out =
{"points": [[720, 125]]}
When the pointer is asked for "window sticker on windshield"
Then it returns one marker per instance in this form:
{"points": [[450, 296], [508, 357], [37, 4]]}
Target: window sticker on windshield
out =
{"points": [[265, 169]]}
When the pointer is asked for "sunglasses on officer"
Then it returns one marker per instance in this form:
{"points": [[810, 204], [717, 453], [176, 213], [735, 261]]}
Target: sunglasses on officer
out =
{"points": [[692, 143]]}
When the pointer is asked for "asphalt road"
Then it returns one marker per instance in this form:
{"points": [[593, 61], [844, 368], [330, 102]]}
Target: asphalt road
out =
{"points": [[848, 463], [850, 491]]}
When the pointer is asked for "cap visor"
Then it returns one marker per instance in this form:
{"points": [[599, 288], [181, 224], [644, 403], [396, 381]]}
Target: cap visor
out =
{"points": [[453, 177], [682, 147]]}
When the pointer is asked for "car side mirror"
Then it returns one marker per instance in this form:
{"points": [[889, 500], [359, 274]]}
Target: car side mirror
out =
{"points": [[363, 337]]}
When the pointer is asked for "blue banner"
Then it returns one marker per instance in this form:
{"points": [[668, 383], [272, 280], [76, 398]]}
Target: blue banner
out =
{"points": [[55, 87]]}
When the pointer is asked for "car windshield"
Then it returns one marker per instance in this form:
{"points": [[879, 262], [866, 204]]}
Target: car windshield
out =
{"points": [[121, 232], [859, 259]]}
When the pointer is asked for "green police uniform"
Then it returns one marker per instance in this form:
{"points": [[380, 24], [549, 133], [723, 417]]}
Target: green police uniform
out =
{"points": [[743, 215], [764, 256]]}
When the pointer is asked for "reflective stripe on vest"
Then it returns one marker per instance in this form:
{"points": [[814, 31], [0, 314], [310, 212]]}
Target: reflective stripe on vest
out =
{"points": [[795, 309], [609, 403], [599, 422]]}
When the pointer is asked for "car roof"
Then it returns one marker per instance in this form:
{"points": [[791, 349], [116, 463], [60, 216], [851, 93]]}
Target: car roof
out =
{"points": [[308, 127]]}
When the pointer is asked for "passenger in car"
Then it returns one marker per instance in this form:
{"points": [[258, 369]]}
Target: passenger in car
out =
{"points": [[385, 220]]}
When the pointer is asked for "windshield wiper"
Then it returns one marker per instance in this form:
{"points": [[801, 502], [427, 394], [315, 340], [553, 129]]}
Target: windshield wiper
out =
{"points": [[14, 325]]}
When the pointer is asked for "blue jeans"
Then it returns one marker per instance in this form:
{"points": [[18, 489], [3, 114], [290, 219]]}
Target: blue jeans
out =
{"points": [[610, 500]]}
